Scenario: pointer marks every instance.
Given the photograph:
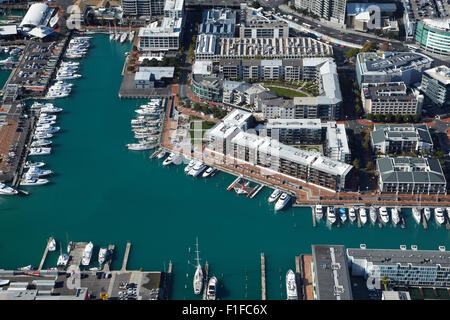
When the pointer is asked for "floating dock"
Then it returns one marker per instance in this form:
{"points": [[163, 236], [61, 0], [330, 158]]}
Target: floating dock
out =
{"points": [[256, 192], [263, 277], [233, 183], [313, 216], [424, 221], [76, 254], [125, 258], [205, 286], [107, 265], [44, 256]]}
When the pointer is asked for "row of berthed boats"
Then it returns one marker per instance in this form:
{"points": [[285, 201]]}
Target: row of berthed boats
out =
{"points": [[194, 168], [280, 198], [147, 126], [381, 214], [41, 144], [121, 36], [77, 47]]}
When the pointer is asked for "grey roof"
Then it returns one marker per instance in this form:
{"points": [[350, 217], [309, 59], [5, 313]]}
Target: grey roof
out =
{"points": [[394, 256], [154, 73], [410, 170], [356, 8], [332, 277], [390, 61], [220, 22], [396, 132]]}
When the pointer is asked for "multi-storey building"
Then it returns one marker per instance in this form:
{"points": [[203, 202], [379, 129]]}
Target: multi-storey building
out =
{"points": [[263, 29], [142, 7], [436, 85], [402, 268], [411, 175], [434, 35], [390, 98], [248, 48], [174, 9], [391, 67], [400, 138], [330, 273], [162, 36], [265, 152], [206, 87], [219, 22], [332, 10]]}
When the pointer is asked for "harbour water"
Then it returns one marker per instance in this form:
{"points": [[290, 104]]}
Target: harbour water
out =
{"points": [[104, 193]]}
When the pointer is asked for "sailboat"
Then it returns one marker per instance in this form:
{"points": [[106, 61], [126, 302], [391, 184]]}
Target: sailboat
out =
{"points": [[69, 244], [198, 276], [63, 258]]}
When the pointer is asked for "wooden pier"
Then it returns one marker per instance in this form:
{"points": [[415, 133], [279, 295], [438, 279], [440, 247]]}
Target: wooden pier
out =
{"points": [[313, 216], [125, 258], [206, 279], [424, 221], [44, 256], [234, 182], [298, 277], [107, 265], [256, 192], [263, 277]]}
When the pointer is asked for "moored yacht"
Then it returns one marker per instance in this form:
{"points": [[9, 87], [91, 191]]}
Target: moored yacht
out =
{"points": [[37, 172], [373, 214], [141, 146], [63, 259], [211, 171], [169, 159], [87, 254], [40, 143], [291, 286], [5, 190], [427, 213], [395, 216], [448, 213], [161, 155], [189, 166], [331, 215], [319, 211], [212, 288], [197, 169], [342, 214], [30, 164], [384, 215], [282, 201], [439, 215], [69, 246], [32, 181], [275, 195], [52, 245], [42, 135], [362, 215], [102, 255], [198, 276], [417, 215], [39, 151], [352, 214]]}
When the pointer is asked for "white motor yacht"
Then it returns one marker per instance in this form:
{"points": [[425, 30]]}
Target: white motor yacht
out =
{"points": [[384, 215], [169, 159], [282, 201], [47, 117], [275, 195], [373, 214], [209, 172], [123, 37], [439, 215], [30, 164], [161, 155], [319, 211], [39, 151], [141, 146], [395, 216], [37, 172], [197, 169], [5, 190], [417, 215], [87, 254], [291, 286], [212, 288], [102, 255], [40, 143], [42, 135], [331, 215], [362, 215], [52, 245], [427, 213], [448, 213], [63, 259], [51, 109], [32, 181], [352, 214]]}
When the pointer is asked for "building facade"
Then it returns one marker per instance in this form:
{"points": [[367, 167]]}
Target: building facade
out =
{"points": [[398, 138], [142, 7], [434, 35], [390, 98], [411, 175], [331, 10], [206, 87], [436, 85], [391, 67], [404, 268]]}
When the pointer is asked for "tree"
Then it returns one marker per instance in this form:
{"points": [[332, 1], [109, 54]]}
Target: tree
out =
{"points": [[370, 46], [369, 165], [379, 118], [187, 104], [356, 163], [398, 118], [255, 4], [416, 117], [369, 116], [408, 118], [351, 53], [389, 117]]}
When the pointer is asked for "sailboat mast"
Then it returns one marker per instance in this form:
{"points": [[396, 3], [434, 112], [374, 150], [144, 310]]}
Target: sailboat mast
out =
{"points": [[196, 251]]}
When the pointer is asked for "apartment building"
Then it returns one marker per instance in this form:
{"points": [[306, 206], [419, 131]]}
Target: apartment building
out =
{"points": [[161, 36], [436, 85], [403, 268], [331, 10], [218, 22], [391, 67], [400, 138], [390, 98], [142, 7], [411, 175], [174, 9]]}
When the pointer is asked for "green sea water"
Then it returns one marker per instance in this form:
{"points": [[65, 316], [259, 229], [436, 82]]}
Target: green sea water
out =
{"points": [[104, 193]]}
